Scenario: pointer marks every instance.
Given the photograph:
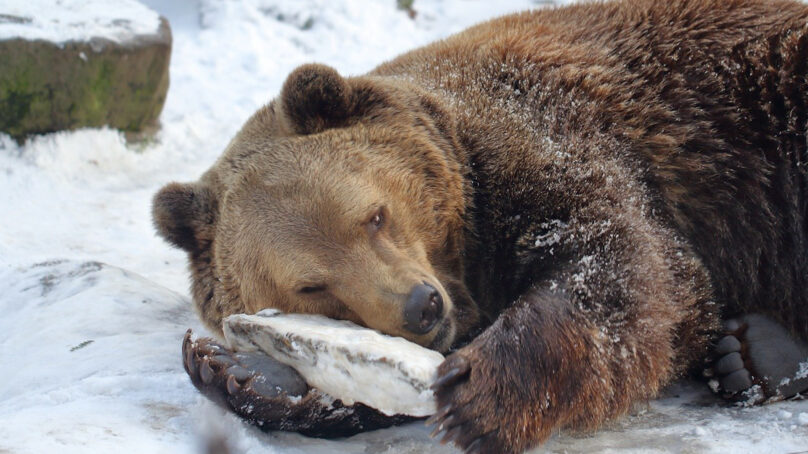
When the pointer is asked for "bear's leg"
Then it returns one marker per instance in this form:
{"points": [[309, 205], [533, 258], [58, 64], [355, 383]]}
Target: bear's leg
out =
{"points": [[272, 395], [606, 328], [758, 360], [541, 366]]}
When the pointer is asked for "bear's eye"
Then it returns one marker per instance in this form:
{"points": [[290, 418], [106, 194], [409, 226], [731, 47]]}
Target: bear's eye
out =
{"points": [[312, 289], [377, 220]]}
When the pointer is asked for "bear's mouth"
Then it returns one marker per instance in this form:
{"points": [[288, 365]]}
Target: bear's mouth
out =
{"points": [[444, 337]]}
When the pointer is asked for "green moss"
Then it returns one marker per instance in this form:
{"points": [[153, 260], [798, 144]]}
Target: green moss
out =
{"points": [[15, 105], [21, 97], [45, 88], [405, 4], [100, 89]]}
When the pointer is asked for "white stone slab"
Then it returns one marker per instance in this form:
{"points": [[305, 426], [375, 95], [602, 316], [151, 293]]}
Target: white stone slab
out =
{"points": [[346, 361]]}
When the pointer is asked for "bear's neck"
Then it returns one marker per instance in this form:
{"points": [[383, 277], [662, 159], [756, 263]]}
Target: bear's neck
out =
{"points": [[519, 171]]}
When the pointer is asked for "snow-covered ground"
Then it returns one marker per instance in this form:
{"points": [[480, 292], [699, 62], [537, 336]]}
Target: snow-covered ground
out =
{"points": [[94, 305]]}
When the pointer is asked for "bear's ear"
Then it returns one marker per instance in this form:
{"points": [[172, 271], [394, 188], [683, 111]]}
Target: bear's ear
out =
{"points": [[314, 98], [184, 214]]}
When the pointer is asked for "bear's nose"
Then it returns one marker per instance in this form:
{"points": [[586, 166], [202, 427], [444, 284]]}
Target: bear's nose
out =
{"points": [[423, 309]]}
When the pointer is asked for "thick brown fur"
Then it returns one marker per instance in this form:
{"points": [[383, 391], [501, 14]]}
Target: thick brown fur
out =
{"points": [[594, 185]]}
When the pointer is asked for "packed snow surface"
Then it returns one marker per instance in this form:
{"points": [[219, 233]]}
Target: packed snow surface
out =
{"points": [[60, 21], [90, 353], [343, 360]]}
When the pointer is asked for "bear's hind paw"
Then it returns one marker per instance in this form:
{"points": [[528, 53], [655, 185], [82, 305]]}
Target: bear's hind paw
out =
{"points": [[253, 385], [758, 361], [272, 395]]}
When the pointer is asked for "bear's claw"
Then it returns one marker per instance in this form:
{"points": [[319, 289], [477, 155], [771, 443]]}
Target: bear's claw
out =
{"points": [[457, 416], [271, 395], [758, 360], [450, 377]]}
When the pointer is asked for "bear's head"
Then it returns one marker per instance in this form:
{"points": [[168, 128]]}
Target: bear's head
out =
{"points": [[344, 197]]}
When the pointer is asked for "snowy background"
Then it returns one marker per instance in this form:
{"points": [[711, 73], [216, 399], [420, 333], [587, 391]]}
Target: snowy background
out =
{"points": [[94, 305]]}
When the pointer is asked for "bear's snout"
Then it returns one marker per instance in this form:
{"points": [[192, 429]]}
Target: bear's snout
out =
{"points": [[423, 309]]}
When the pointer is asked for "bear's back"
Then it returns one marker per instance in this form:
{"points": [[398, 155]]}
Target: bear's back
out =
{"points": [[708, 95]]}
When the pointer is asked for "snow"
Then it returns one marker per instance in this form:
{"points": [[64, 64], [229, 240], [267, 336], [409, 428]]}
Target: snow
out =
{"points": [[74, 199], [76, 20], [343, 360]]}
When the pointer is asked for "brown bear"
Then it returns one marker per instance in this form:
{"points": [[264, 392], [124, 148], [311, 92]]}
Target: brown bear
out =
{"points": [[567, 201]]}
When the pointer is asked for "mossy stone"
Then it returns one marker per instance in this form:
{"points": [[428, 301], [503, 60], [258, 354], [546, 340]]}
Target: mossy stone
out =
{"points": [[46, 86]]}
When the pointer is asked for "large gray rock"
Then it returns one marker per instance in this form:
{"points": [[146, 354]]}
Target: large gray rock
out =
{"points": [[88, 65]]}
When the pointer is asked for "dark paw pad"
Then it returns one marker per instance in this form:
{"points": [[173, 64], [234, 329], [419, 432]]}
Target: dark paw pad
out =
{"points": [[758, 360], [272, 395], [241, 381]]}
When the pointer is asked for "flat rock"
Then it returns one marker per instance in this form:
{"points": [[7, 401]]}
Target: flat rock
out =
{"points": [[74, 64], [346, 361]]}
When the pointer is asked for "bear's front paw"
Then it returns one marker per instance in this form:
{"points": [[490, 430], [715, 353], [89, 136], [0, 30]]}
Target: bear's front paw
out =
{"points": [[463, 390]]}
